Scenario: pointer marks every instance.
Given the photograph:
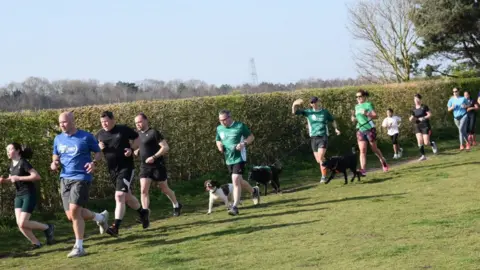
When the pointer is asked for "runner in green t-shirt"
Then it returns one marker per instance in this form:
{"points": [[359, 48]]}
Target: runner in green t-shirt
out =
{"points": [[232, 138], [366, 132], [317, 119]]}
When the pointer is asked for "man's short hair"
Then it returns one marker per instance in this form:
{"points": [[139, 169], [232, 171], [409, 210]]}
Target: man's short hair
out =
{"points": [[108, 114], [224, 111], [142, 115]]}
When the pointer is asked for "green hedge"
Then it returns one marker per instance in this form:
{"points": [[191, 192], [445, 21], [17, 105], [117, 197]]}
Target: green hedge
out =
{"points": [[189, 126]]}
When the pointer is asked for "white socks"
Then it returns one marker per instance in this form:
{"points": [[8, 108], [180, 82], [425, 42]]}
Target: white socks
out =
{"points": [[175, 205], [79, 243], [98, 217]]}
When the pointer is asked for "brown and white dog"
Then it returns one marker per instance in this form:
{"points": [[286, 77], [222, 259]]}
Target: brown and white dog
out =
{"points": [[217, 192]]}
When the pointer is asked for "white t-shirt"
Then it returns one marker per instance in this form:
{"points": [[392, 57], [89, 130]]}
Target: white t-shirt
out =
{"points": [[392, 124]]}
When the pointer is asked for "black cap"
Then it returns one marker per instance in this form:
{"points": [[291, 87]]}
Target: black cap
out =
{"points": [[314, 100]]}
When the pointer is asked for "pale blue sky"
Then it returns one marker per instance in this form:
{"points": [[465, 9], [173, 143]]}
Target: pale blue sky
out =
{"points": [[210, 40]]}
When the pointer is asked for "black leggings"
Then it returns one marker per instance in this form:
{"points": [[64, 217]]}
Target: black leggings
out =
{"points": [[471, 121]]}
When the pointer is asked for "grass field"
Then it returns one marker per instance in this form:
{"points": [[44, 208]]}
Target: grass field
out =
{"points": [[417, 216]]}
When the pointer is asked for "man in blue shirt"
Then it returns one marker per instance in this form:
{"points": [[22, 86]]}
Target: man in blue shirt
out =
{"points": [[72, 151], [458, 104]]}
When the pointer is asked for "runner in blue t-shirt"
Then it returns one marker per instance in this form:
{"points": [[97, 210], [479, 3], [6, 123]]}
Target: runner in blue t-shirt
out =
{"points": [[458, 104], [72, 151]]}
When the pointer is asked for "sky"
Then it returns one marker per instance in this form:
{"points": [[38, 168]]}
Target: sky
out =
{"points": [[209, 40]]}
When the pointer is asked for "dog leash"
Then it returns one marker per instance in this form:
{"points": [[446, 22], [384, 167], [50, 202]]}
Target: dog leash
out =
{"points": [[286, 155]]}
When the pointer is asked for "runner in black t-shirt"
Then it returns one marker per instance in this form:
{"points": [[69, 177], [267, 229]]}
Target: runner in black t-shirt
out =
{"points": [[22, 175], [116, 143], [153, 147], [471, 117], [420, 116]]}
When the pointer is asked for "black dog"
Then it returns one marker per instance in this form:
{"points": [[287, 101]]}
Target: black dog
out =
{"points": [[265, 175], [341, 164]]}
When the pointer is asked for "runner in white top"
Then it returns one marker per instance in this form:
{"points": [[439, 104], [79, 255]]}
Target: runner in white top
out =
{"points": [[392, 123]]}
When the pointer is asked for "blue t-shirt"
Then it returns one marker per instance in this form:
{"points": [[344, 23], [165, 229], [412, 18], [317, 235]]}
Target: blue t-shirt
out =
{"points": [[458, 110], [74, 152]]}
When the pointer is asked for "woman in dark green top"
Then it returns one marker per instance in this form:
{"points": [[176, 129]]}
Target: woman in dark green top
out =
{"points": [[22, 175]]}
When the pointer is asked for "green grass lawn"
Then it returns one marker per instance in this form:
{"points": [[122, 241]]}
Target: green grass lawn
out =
{"points": [[417, 216]]}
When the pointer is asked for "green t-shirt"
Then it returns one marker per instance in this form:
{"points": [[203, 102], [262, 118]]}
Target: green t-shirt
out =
{"points": [[363, 122], [230, 137], [317, 121]]}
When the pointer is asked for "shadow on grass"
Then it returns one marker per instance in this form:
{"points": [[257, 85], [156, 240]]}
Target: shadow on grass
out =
{"points": [[439, 166], [238, 218], [376, 180], [301, 188], [243, 230], [27, 254], [133, 236], [351, 199]]}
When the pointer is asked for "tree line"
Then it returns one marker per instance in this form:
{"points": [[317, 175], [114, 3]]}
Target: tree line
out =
{"points": [[39, 93]]}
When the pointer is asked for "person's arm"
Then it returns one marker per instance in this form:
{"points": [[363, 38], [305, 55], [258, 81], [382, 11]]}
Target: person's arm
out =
{"points": [[55, 157], [399, 121], [249, 137], [26, 166], [133, 140], [163, 148], [450, 105], [384, 123], [427, 112], [34, 176], [295, 104], [353, 118], [334, 123], [93, 147], [219, 143]]}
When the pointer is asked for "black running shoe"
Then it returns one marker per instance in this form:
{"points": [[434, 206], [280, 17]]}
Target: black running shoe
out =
{"points": [[113, 231], [49, 233], [233, 211], [177, 210], [35, 246], [145, 218]]}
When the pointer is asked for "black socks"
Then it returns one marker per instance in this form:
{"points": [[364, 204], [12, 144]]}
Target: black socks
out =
{"points": [[422, 150]]}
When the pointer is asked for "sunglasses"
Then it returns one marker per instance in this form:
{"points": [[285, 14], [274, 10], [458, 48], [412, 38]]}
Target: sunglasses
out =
{"points": [[224, 119], [455, 91]]}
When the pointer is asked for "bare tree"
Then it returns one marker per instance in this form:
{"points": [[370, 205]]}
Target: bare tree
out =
{"points": [[389, 37]]}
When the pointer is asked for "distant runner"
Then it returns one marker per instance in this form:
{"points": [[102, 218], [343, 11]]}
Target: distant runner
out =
{"points": [[392, 123], [420, 116]]}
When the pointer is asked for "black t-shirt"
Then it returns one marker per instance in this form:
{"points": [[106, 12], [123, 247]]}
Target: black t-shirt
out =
{"points": [[116, 140], [421, 112], [22, 169], [471, 103], [149, 145]]}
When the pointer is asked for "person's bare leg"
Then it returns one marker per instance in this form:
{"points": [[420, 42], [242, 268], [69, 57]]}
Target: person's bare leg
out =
{"points": [[163, 185], [237, 188], [23, 222], [145, 184], [362, 145]]}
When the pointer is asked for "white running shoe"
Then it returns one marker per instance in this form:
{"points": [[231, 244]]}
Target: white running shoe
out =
{"points": [[76, 252], [422, 158], [434, 148], [103, 225], [400, 153]]}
